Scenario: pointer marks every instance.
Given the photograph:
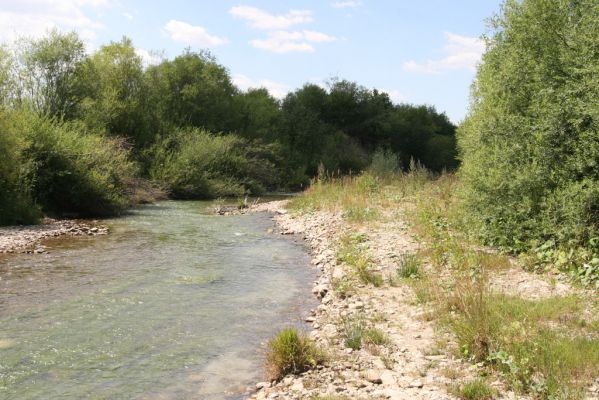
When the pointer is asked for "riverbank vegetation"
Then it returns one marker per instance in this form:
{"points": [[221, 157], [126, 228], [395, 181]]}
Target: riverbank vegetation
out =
{"points": [[542, 344], [82, 131]]}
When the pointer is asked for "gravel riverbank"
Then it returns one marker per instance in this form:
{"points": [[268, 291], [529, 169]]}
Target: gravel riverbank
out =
{"points": [[416, 360], [27, 239]]}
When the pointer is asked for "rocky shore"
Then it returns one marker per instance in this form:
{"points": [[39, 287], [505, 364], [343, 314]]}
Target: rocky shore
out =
{"points": [[407, 366], [416, 361], [26, 239]]}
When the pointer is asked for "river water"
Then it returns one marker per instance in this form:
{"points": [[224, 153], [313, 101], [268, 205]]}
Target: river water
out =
{"points": [[173, 304]]}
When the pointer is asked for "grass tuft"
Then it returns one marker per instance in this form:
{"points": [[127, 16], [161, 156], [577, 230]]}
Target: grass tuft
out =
{"points": [[409, 267], [291, 353], [476, 389]]}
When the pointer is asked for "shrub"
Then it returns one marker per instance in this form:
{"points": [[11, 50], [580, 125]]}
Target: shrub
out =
{"points": [[375, 336], [384, 163], [291, 353], [16, 204], [529, 146], [193, 163], [76, 171]]}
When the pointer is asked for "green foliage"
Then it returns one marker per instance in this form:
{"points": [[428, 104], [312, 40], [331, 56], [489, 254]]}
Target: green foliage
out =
{"points": [[409, 267], [356, 333], [46, 73], [194, 90], [384, 163], [76, 171], [185, 125], [342, 126], [16, 204], [477, 389], [531, 142], [291, 353], [514, 335], [114, 93], [193, 163], [353, 253]]}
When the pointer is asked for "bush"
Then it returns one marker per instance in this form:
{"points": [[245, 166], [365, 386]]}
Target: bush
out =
{"points": [[193, 163], [291, 353], [530, 144], [16, 204], [384, 163], [75, 171]]}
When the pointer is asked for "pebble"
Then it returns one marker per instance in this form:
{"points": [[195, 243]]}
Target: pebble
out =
{"points": [[373, 376]]}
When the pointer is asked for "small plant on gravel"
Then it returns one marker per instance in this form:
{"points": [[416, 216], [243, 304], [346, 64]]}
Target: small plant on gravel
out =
{"points": [[423, 290], [369, 277], [291, 353], [344, 287], [375, 336], [409, 267], [476, 389], [361, 214], [354, 328], [352, 251]]}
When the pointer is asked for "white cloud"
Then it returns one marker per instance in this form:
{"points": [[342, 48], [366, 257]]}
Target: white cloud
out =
{"points": [[261, 19], [287, 42], [35, 17], [128, 16], [395, 95], [461, 52], [183, 32], [347, 4], [276, 89]]}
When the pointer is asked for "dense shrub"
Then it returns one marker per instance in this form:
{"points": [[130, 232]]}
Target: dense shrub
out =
{"points": [[74, 171], [530, 146], [16, 205], [193, 163]]}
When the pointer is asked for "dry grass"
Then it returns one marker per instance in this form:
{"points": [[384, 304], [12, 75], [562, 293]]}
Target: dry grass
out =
{"points": [[546, 348]]}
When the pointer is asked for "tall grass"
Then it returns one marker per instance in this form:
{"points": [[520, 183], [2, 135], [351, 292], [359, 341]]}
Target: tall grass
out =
{"points": [[542, 347]]}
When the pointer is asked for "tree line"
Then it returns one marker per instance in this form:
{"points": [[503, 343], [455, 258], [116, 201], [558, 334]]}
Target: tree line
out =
{"points": [[82, 132]]}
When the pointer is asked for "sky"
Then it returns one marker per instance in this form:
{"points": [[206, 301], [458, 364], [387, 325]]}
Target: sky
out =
{"points": [[420, 52]]}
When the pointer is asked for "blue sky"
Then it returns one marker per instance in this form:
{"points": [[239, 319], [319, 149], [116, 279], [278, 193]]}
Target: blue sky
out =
{"points": [[417, 51]]}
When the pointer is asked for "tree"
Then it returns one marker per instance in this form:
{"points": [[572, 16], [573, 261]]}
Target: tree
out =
{"points": [[115, 93], [46, 72], [194, 90], [259, 115], [530, 145]]}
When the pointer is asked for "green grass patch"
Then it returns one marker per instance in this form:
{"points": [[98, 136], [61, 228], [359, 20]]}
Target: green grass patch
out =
{"points": [[291, 353], [357, 333], [353, 252], [409, 267], [477, 389]]}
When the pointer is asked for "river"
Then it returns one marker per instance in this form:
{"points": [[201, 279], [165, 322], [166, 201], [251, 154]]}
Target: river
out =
{"points": [[174, 303]]}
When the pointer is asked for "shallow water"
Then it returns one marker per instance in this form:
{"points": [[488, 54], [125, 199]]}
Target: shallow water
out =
{"points": [[173, 304]]}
